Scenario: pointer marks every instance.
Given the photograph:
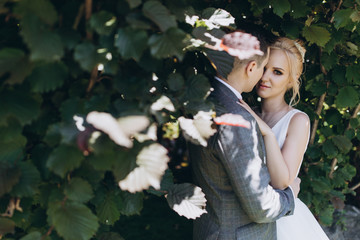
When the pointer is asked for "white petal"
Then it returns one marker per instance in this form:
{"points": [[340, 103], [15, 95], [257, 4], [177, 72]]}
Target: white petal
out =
{"points": [[232, 120]]}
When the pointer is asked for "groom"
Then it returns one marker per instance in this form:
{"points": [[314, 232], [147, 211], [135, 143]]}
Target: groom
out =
{"points": [[232, 170]]}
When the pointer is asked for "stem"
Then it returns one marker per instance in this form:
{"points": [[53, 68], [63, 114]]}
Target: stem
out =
{"points": [[355, 187], [48, 232], [355, 113], [316, 121], [93, 78], [333, 165], [338, 7], [88, 10], [79, 16]]}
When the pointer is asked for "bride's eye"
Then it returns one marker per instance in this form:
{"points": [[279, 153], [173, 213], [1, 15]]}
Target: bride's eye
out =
{"points": [[277, 72]]}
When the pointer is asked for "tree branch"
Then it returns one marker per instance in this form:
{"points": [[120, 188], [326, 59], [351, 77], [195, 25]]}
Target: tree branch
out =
{"points": [[79, 16], [338, 7], [355, 187], [88, 11], [333, 165], [316, 121], [355, 113]]}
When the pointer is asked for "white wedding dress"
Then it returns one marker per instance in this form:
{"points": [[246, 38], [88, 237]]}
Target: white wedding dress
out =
{"points": [[302, 225]]}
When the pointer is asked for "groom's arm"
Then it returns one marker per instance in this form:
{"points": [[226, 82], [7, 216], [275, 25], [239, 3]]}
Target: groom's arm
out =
{"points": [[238, 148]]}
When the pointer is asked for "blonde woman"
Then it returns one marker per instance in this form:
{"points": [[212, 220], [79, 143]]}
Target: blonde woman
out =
{"points": [[286, 132]]}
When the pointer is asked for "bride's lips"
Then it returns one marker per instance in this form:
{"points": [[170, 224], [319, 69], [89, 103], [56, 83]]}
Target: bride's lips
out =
{"points": [[262, 86]]}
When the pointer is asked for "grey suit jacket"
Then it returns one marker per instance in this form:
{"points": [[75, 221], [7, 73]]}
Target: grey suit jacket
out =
{"points": [[232, 172]]}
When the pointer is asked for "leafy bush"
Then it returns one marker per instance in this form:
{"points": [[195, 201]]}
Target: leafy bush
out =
{"points": [[139, 61]]}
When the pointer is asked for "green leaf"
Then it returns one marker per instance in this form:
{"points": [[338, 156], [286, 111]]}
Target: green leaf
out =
{"points": [[329, 60], [78, 190], [348, 97], [159, 14], [299, 8], [355, 16], [9, 176], [15, 62], [63, 159], [131, 43], [12, 142], [43, 43], [134, 3], [175, 81], [21, 105], [86, 55], [71, 107], [43, 9], [28, 182], [342, 143], [354, 122], [72, 220], [222, 62], [257, 6], [110, 236], [198, 87], [48, 76], [321, 185], [280, 7], [326, 215], [353, 74], [107, 211], [103, 22], [131, 203], [342, 17], [6, 226], [316, 34], [171, 43], [329, 149], [32, 236], [338, 75]]}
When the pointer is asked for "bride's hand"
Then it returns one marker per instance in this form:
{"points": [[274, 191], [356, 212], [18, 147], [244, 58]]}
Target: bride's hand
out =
{"points": [[264, 128]]}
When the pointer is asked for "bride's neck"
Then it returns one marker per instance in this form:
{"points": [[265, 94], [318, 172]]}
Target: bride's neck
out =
{"points": [[273, 105]]}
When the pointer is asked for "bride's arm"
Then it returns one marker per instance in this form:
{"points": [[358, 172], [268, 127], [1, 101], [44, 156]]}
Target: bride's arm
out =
{"points": [[283, 164]]}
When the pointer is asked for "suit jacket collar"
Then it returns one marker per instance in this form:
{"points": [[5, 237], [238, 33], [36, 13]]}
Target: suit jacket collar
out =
{"points": [[238, 95]]}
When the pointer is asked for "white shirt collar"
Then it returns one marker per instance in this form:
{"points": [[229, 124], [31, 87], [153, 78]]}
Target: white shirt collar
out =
{"points": [[238, 95]]}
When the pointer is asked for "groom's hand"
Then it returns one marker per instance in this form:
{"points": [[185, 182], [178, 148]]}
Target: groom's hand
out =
{"points": [[295, 185]]}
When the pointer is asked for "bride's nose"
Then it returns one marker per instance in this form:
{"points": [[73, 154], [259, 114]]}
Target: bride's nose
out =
{"points": [[265, 76]]}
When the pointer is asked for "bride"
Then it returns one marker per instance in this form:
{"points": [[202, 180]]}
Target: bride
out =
{"points": [[286, 132]]}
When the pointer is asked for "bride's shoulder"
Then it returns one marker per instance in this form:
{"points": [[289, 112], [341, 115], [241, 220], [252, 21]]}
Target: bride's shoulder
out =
{"points": [[300, 119]]}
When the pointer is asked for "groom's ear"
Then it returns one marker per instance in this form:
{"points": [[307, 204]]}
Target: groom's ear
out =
{"points": [[250, 67]]}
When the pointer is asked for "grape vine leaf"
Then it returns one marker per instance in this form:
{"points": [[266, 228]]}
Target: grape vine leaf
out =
{"points": [[107, 211], [72, 220], [32, 236], [342, 142], [78, 190], [342, 17], [353, 74], [15, 62], [29, 180], [48, 76], [43, 43], [134, 3], [103, 22], [316, 34], [280, 7], [43, 9], [347, 97], [168, 44], [175, 81], [63, 159], [130, 204], [131, 43], [159, 14]]}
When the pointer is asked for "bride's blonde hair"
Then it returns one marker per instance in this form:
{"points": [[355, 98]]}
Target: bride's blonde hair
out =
{"points": [[295, 52]]}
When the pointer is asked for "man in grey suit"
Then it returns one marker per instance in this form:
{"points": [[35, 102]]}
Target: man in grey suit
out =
{"points": [[232, 171]]}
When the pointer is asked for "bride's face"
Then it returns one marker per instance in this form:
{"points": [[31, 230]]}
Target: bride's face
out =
{"points": [[275, 80]]}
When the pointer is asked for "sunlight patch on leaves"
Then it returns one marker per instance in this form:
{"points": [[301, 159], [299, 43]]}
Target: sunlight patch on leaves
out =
{"points": [[199, 129], [152, 163], [119, 130], [187, 200]]}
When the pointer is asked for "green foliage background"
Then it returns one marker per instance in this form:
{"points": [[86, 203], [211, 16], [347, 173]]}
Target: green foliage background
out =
{"points": [[50, 52]]}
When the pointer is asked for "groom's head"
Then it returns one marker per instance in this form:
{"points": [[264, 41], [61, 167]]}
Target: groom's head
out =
{"points": [[247, 72]]}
